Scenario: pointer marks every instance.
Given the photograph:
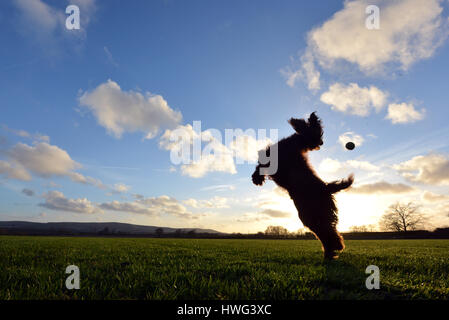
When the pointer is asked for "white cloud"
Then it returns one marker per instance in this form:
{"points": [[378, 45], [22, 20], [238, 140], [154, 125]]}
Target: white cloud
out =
{"points": [[404, 113], [15, 171], [120, 187], [382, 187], [353, 99], [362, 165], [219, 160], [215, 157], [252, 217], [192, 203], [311, 73], [264, 215], [41, 137], [443, 210], [246, 147], [434, 197], [46, 23], [42, 159], [332, 165], [40, 15], [26, 134], [131, 207], [78, 177], [201, 152], [276, 213], [55, 200], [281, 192], [307, 71], [215, 202], [292, 76], [51, 184], [173, 139], [429, 169], [45, 161], [410, 30], [350, 137], [219, 187], [129, 111], [152, 206]]}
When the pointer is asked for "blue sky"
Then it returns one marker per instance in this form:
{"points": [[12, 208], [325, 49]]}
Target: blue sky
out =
{"points": [[77, 106]]}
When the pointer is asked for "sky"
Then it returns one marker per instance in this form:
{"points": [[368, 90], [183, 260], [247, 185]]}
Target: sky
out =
{"points": [[88, 115]]}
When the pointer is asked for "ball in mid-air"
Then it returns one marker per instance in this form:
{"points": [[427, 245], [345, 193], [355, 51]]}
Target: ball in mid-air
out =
{"points": [[350, 145]]}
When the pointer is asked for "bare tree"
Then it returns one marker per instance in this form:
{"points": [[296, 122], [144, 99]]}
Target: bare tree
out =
{"points": [[276, 231], [361, 228], [402, 217]]}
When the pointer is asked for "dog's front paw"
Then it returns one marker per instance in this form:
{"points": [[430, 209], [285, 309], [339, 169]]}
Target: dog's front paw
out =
{"points": [[258, 180]]}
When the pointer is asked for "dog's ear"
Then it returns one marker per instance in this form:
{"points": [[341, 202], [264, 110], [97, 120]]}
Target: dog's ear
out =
{"points": [[298, 124], [313, 119]]}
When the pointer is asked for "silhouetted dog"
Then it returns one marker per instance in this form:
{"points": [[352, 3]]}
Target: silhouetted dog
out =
{"points": [[312, 196]]}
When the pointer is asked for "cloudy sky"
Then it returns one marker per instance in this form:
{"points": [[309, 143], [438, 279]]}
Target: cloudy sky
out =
{"points": [[87, 115]]}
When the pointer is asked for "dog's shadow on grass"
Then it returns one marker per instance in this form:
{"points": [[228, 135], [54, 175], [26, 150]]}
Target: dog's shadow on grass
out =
{"points": [[343, 280]]}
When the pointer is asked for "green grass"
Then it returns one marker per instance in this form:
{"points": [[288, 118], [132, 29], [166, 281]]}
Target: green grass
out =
{"points": [[110, 268]]}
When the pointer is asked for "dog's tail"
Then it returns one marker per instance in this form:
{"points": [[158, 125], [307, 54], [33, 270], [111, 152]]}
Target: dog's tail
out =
{"points": [[339, 185], [257, 178]]}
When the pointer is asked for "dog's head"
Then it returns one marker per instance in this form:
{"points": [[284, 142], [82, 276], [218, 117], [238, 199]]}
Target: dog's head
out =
{"points": [[311, 130]]}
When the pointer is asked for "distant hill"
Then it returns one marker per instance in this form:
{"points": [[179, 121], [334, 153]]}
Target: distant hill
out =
{"points": [[22, 227]]}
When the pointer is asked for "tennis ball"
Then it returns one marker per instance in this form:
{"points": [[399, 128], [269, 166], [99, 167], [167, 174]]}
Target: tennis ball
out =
{"points": [[350, 145]]}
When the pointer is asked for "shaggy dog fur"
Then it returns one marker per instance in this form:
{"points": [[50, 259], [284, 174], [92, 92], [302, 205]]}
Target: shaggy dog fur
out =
{"points": [[312, 196]]}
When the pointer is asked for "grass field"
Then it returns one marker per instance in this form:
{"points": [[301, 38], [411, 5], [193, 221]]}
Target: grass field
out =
{"points": [[111, 268]]}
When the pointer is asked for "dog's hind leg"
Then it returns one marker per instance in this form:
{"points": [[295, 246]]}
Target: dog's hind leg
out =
{"points": [[334, 245], [325, 230], [331, 240]]}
